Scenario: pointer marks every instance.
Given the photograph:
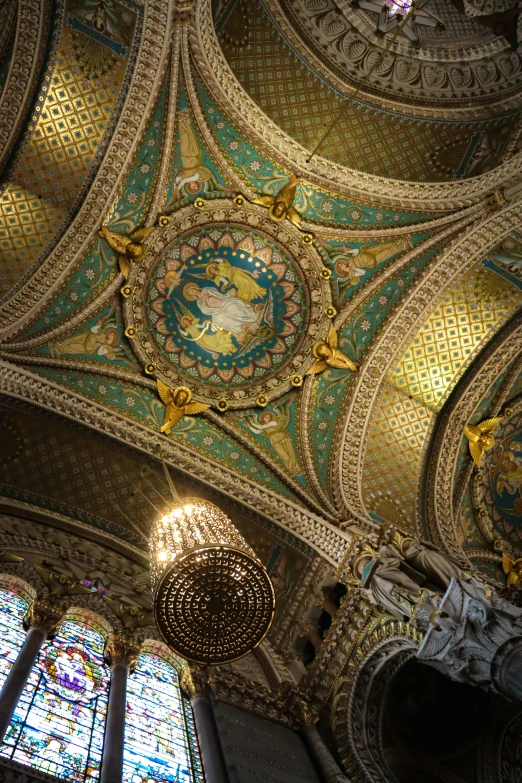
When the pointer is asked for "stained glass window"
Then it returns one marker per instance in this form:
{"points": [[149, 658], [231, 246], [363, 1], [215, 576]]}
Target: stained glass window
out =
{"points": [[59, 722], [12, 634], [160, 741]]}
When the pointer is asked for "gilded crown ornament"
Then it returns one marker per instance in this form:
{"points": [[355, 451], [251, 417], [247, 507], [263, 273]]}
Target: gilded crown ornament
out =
{"points": [[213, 600]]}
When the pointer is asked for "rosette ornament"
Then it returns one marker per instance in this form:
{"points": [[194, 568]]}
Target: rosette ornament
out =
{"points": [[213, 600]]}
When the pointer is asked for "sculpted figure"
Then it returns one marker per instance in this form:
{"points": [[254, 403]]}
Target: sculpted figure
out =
{"points": [[178, 404], [328, 355], [280, 205], [480, 438], [129, 248]]}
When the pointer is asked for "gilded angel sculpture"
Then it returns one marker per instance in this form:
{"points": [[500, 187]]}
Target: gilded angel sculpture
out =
{"points": [[513, 569], [129, 248], [480, 438], [327, 354], [280, 205], [178, 404]]}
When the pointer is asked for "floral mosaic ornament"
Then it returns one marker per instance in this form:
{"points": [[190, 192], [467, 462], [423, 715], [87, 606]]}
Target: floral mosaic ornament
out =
{"points": [[228, 303]]}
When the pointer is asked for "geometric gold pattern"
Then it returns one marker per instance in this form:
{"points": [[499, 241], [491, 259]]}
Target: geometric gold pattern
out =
{"points": [[421, 381], [67, 130]]}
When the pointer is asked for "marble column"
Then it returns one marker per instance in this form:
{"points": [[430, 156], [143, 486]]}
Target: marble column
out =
{"points": [[473, 636], [193, 682], [325, 763], [41, 622], [121, 654]]}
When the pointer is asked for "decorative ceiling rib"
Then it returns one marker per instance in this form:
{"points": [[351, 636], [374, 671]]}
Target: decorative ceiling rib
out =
{"points": [[32, 22], [475, 399], [267, 136], [151, 61], [407, 321]]}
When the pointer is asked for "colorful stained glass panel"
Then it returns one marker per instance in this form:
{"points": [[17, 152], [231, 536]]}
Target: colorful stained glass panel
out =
{"points": [[12, 634], [59, 722], [157, 737]]}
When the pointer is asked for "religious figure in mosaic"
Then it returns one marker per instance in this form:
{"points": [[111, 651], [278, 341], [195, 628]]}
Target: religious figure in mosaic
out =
{"points": [[273, 427], [353, 262], [102, 339]]}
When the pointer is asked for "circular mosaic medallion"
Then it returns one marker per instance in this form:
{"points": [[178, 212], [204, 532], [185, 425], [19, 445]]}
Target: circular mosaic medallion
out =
{"points": [[228, 303]]}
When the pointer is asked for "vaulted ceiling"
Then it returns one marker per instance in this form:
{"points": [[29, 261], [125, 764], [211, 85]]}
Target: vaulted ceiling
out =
{"points": [[159, 115]]}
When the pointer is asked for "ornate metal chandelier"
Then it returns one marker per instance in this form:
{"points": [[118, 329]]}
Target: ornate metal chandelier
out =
{"points": [[213, 600]]}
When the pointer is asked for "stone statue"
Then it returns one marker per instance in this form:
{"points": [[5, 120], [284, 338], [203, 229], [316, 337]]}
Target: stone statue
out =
{"points": [[473, 636], [437, 568]]}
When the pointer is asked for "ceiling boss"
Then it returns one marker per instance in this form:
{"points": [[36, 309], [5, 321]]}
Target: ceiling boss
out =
{"points": [[228, 305]]}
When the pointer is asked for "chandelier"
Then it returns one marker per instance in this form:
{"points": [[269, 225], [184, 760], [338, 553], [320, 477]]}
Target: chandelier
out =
{"points": [[213, 600]]}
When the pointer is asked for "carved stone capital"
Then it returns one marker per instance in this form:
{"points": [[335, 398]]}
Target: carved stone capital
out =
{"points": [[121, 649], [302, 711], [194, 680], [467, 630], [43, 615]]}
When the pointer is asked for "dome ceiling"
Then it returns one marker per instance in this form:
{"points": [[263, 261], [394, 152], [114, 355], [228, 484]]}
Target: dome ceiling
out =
{"points": [[324, 315]]}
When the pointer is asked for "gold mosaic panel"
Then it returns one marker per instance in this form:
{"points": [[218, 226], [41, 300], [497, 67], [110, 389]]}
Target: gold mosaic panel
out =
{"points": [[54, 166], [304, 106], [430, 366]]}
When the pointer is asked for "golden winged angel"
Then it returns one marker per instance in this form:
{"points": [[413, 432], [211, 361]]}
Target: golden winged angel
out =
{"points": [[280, 205], [480, 438], [129, 248], [178, 404], [327, 354], [513, 569]]}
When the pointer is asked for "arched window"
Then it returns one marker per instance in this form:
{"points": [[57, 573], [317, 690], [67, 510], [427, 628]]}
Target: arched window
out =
{"points": [[160, 740], [12, 634], [59, 722]]}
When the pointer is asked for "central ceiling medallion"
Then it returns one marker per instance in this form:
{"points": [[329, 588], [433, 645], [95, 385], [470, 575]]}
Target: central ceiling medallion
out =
{"points": [[228, 303], [406, 14]]}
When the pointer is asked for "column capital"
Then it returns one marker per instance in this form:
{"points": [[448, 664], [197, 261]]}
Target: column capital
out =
{"points": [[121, 649], [194, 680], [302, 711], [43, 615], [466, 630]]}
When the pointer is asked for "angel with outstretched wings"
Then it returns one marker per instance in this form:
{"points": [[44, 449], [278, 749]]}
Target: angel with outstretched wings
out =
{"points": [[178, 404], [480, 438], [327, 354], [281, 206], [129, 248]]}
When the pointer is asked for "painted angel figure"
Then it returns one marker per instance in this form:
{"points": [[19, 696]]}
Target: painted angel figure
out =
{"points": [[177, 404], [280, 205], [480, 438], [129, 248], [273, 427], [103, 339], [327, 354]]}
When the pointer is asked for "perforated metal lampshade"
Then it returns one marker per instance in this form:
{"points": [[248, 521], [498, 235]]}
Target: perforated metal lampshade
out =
{"points": [[213, 600]]}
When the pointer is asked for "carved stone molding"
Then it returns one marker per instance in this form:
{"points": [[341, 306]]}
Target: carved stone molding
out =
{"points": [[359, 701], [405, 321], [322, 536], [267, 136], [441, 508], [482, 75], [35, 294], [32, 27]]}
